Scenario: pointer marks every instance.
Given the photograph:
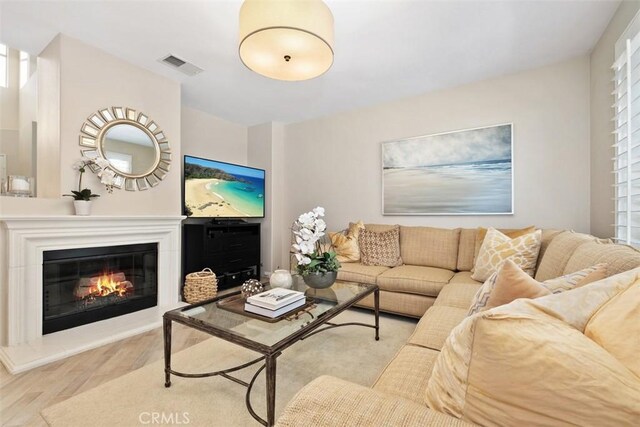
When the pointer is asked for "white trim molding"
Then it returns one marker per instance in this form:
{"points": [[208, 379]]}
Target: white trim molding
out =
{"points": [[24, 239]]}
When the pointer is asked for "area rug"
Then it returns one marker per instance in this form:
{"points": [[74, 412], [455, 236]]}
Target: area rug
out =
{"points": [[140, 398]]}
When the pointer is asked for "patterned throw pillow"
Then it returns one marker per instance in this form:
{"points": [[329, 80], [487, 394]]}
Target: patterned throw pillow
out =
{"points": [[346, 245], [577, 279], [511, 283], [481, 233], [497, 248], [381, 248]]}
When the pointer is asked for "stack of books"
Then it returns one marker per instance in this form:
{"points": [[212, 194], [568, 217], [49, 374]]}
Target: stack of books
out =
{"points": [[275, 302]]}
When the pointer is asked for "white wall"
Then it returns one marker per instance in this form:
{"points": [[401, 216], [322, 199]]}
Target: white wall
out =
{"points": [[602, 58], [18, 108], [335, 162], [204, 135], [9, 95]]}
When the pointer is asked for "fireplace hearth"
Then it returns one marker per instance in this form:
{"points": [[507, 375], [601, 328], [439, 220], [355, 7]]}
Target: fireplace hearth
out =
{"points": [[86, 285]]}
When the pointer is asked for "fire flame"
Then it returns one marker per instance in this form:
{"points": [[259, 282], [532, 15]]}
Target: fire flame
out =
{"points": [[109, 284], [106, 286]]}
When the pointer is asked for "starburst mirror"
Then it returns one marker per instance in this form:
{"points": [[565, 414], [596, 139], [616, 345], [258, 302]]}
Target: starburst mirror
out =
{"points": [[135, 147]]}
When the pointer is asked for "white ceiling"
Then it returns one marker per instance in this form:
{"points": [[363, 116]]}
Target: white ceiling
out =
{"points": [[384, 49]]}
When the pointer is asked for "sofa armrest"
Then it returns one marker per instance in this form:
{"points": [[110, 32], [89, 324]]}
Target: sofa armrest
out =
{"points": [[329, 401]]}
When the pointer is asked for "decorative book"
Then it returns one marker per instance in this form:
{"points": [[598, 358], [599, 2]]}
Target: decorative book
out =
{"points": [[274, 313], [275, 299]]}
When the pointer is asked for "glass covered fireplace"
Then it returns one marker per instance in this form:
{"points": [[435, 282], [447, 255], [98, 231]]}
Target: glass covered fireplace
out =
{"points": [[86, 285]]}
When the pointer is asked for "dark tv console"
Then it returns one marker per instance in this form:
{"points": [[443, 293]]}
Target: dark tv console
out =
{"points": [[230, 248]]}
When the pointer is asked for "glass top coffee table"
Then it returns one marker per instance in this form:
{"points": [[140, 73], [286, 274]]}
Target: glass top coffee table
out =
{"points": [[266, 337]]}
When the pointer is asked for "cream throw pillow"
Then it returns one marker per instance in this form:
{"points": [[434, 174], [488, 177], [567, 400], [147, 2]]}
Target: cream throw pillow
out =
{"points": [[511, 283], [497, 248], [346, 245], [528, 363], [508, 284]]}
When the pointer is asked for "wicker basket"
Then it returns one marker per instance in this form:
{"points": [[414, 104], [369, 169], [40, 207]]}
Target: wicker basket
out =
{"points": [[200, 286]]}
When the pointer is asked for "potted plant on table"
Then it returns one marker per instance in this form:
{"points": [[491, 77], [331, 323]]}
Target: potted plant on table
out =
{"points": [[83, 196], [317, 263]]}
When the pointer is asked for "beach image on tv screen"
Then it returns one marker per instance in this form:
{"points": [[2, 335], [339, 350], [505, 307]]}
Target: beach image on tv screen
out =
{"points": [[216, 189]]}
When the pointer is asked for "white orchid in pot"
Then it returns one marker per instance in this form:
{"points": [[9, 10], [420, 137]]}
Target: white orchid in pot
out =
{"points": [[316, 260], [83, 196]]}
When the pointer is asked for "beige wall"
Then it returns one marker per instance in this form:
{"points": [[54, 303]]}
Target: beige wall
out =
{"points": [[266, 151], [90, 79], [204, 135], [602, 58], [335, 161], [49, 142]]}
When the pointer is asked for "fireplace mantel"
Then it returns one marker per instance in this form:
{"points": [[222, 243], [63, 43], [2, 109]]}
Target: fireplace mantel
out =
{"points": [[25, 238]]}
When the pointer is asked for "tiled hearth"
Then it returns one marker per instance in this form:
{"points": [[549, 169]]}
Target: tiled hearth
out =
{"points": [[25, 239]]}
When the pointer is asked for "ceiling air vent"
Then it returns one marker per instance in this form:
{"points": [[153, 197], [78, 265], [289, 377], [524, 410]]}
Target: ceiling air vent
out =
{"points": [[180, 65]]}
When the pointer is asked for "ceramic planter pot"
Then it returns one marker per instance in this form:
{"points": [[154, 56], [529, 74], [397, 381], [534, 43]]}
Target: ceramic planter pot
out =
{"points": [[82, 207], [320, 280]]}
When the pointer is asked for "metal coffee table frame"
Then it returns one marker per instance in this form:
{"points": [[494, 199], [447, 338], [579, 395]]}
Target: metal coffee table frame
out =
{"points": [[269, 353]]}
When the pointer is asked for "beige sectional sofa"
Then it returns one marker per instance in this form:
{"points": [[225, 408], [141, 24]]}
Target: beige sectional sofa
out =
{"points": [[435, 285]]}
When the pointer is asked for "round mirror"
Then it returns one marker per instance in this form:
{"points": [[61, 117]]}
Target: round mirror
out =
{"points": [[134, 145], [129, 149]]}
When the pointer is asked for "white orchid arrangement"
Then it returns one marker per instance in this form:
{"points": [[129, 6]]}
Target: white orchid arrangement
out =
{"points": [[308, 249], [107, 177]]}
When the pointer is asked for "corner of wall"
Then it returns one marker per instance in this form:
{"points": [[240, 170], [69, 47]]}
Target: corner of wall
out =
{"points": [[48, 137]]}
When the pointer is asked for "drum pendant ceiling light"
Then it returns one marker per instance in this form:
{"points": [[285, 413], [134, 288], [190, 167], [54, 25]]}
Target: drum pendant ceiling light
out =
{"points": [[286, 39]]}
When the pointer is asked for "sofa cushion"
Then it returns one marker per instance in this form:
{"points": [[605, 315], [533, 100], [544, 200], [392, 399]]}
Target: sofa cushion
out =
{"points": [[415, 279], [498, 247], [618, 258], [559, 252], [429, 246], [436, 325], [379, 228], [400, 303], [407, 374], [548, 234], [616, 328], [464, 277], [356, 272], [458, 295], [380, 248], [528, 363], [332, 402], [466, 249]]}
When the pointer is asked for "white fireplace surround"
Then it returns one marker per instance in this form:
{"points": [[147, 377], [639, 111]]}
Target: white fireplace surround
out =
{"points": [[22, 344]]}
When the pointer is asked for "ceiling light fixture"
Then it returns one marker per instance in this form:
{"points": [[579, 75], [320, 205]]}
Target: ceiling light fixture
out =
{"points": [[286, 39]]}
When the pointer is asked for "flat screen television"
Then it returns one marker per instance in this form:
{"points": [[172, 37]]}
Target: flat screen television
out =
{"points": [[215, 189]]}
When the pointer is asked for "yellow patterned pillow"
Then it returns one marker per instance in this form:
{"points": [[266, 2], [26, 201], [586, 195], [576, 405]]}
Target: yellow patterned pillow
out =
{"points": [[346, 245], [497, 248]]}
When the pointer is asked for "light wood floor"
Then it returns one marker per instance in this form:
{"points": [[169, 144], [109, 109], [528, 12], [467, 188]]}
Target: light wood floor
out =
{"points": [[23, 396]]}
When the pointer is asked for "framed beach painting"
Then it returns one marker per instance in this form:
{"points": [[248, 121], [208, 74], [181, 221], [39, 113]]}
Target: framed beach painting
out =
{"points": [[466, 172]]}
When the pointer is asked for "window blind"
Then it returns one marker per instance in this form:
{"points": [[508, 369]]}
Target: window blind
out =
{"points": [[626, 162]]}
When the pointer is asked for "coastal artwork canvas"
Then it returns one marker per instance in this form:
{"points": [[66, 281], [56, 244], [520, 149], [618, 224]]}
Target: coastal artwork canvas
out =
{"points": [[456, 173], [215, 189]]}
